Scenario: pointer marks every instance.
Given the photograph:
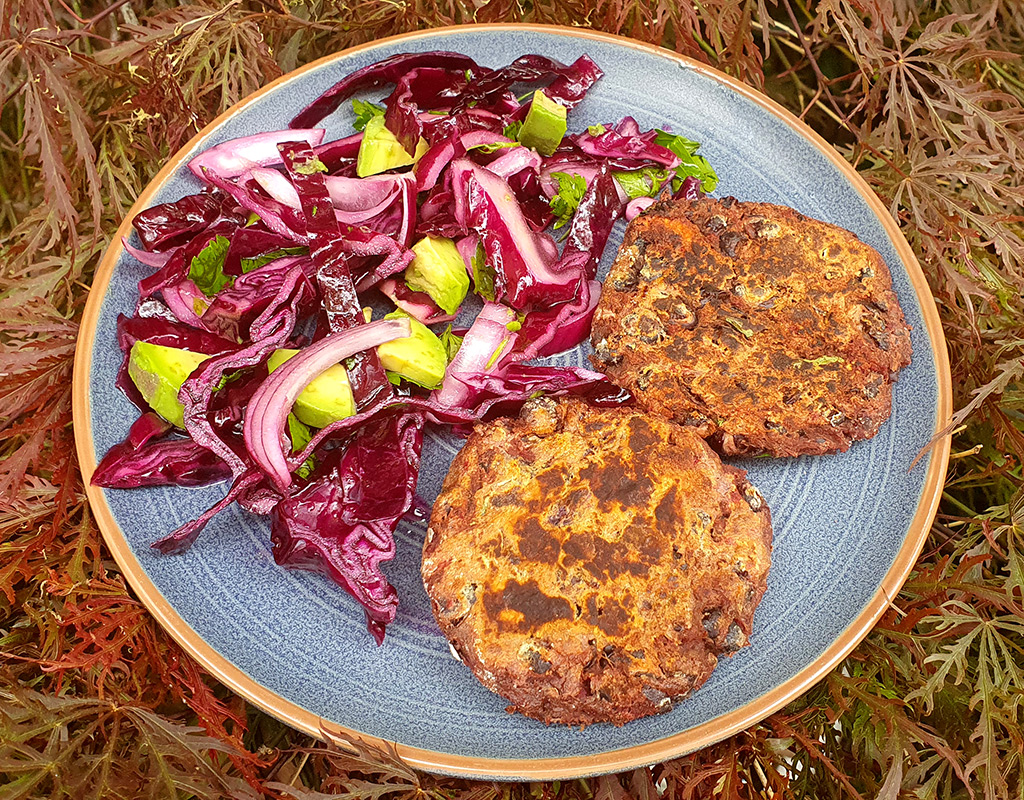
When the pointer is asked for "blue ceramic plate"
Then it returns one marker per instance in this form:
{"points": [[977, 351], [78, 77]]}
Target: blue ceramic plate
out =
{"points": [[847, 527]]}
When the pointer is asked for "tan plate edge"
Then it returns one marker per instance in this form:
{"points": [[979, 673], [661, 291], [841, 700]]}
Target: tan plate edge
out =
{"points": [[536, 769]]}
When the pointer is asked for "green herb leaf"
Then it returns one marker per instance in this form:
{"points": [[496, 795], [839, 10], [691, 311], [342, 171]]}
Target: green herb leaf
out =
{"points": [[249, 264], [311, 167], [645, 182], [738, 325], [207, 268], [692, 165], [596, 130], [300, 434], [364, 111], [483, 275], [494, 147], [823, 360], [571, 189], [451, 342], [512, 130]]}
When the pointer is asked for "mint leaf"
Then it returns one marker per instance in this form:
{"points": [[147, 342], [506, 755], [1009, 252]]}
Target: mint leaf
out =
{"points": [[207, 268], [571, 189], [692, 165], [364, 111], [646, 182], [249, 264]]}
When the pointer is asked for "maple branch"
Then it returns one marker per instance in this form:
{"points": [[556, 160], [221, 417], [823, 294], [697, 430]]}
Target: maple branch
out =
{"points": [[822, 80]]}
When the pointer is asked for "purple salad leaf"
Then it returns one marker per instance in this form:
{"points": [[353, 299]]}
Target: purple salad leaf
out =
{"points": [[376, 75], [329, 254], [342, 522]]}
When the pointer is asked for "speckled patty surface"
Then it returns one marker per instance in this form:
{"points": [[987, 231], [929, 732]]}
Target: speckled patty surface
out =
{"points": [[591, 565], [753, 325]]}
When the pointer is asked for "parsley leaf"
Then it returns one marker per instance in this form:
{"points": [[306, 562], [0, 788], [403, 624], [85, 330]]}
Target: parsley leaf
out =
{"points": [[207, 268], [692, 164], [571, 189], [646, 182], [512, 130], [364, 111], [255, 262]]}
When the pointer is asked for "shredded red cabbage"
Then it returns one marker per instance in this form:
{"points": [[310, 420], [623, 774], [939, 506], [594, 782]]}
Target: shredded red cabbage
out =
{"points": [[342, 522], [148, 457], [380, 74]]}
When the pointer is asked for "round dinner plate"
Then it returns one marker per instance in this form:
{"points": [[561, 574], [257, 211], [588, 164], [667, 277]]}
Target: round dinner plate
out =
{"points": [[848, 527]]}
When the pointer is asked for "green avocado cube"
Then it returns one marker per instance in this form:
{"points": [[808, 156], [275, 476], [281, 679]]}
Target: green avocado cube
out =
{"points": [[328, 397], [438, 270], [380, 150], [420, 358], [545, 124], [158, 372]]}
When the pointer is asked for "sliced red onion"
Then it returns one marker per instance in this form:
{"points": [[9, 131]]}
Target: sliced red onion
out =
{"points": [[515, 160], [181, 298], [270, 405], [277, 185], [467, 247], [360, 194], [234, 157], [429, 168], [634, 207], [155, 260], [526, 262], [482, 137], [486, 345], [355, 200]]}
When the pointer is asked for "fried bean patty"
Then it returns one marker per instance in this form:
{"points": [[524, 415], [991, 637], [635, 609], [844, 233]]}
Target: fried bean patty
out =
{"points": [[756, 327], [591, 565]]}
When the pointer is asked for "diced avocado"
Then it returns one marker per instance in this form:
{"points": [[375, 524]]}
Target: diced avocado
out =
{"points": [[545, 124], [327, 399], [420, 357], [380, 150], [438, 270], [159, 372]]}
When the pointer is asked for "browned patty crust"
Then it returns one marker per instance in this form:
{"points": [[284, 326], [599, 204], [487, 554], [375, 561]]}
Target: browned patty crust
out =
{"points": [[753, 325], [591, 565]]}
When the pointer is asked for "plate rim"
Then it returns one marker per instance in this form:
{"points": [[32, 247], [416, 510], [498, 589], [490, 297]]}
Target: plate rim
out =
{"points": [[619, 760]]}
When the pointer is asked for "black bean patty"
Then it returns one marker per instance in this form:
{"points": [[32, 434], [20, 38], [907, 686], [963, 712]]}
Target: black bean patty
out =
{"points": [[591, 565], [756, 327]]}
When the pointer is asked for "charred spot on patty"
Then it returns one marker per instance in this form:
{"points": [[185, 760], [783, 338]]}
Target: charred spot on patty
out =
{"points": [[771, 333], [585, 601]]}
